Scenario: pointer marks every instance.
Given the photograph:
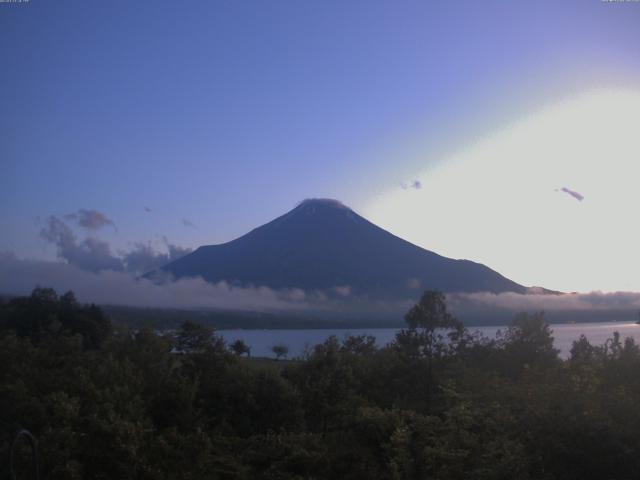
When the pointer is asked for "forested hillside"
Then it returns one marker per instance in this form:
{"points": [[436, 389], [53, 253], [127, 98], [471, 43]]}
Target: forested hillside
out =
{"points": [[106, 402]]}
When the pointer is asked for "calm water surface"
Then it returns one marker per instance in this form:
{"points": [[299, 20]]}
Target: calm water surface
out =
{"points": [[564, 334]]}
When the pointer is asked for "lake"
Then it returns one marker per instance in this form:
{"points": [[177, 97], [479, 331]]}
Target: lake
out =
{"points": [[297, 340]]}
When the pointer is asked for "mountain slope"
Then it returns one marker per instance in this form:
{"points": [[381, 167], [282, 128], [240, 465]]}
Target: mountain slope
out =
{"points": [[322, 244]]}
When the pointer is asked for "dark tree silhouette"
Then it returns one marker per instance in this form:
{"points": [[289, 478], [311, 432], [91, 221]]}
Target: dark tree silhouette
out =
{"points": [[280, 351], [239, 347], [429, 324]]}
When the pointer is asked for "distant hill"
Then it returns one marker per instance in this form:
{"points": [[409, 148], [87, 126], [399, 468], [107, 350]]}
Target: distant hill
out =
{"points": [[324, 245]]}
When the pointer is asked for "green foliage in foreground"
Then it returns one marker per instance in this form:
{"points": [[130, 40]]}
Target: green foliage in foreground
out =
{"points": [[437, 403]]}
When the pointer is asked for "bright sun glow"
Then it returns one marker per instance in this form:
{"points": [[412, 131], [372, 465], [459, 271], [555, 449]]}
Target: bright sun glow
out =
{"points": [[498, 203]]}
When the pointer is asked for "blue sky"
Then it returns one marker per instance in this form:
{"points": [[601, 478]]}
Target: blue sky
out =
{"points": [[227, 113]]}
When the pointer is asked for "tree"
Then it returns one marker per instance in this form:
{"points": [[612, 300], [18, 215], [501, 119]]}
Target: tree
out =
{"points": [[431, 312], [424, 341], [88, 321], [326, 384], [583, 352], [280, 350], [428, 320], [528, 342], [240, 348], [196, 338], [45, 315], [35, 316], [359, 344]]}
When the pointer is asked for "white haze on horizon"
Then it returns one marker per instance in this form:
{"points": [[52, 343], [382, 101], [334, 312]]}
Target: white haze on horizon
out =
{"points": [[108, 287]]}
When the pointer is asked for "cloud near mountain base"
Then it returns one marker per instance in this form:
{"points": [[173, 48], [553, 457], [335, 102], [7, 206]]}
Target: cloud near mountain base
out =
{"points": [[550, 302], [109, 287]]}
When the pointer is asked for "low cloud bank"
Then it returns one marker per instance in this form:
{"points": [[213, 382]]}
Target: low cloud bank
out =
{"points": [[110, 287], [594, 301], [19, 277], [121, 287]]}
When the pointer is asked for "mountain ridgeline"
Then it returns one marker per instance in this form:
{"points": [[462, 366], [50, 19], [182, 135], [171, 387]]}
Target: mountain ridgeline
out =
{"points": [[324, 245]]}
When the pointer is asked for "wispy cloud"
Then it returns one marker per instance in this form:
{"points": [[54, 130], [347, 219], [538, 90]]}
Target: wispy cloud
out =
{"points": [[95, 255], [89, 254], [188, 223], [573, 193], [144, 257], [90, 219], [415, 185]]}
